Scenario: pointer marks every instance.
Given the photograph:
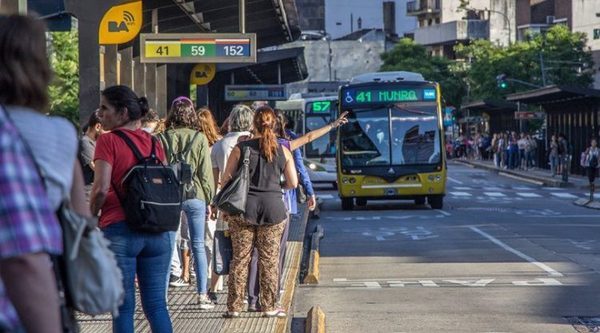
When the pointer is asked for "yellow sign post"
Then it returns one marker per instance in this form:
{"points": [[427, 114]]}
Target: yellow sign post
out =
{"points": [[121, 24], [202, 74]]}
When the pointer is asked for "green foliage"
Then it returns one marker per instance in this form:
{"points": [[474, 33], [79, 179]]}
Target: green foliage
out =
{"points": [[64, 90], [566, 60], [409, 56]]}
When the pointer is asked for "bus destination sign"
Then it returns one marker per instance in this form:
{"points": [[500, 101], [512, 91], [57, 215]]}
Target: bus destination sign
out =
{"points": [[357, 96], [198, 48], [320, 107]]}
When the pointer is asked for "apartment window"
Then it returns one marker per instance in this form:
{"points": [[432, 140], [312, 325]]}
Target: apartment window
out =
{"points": [[596, 33]]}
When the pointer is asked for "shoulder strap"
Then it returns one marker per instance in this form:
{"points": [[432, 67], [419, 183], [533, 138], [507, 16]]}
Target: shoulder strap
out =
{"points": [[132, 146], [168, 144], [188, 147]]}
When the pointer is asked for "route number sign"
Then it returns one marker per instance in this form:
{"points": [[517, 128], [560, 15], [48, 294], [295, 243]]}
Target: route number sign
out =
{"points": [[198, 48]]}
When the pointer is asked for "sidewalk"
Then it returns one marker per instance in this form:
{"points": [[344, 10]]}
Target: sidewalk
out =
{"points": [[539, 176], [187, 316]]}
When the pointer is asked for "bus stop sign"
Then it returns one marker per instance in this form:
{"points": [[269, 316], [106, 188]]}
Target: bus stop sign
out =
{"points": [[198, 48]]}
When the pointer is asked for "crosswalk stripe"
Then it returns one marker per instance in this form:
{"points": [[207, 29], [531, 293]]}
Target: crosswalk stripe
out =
{"points": [[564, 195], [553, 188], [522, 188], [462, 188], [529, 195], [494, 194], [460, 194], [493, 188]]}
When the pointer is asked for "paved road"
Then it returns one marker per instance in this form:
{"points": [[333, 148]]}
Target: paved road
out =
{"points": [[502, 256]]}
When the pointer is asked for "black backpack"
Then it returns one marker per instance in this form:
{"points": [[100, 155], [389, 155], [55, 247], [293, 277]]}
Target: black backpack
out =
{"points": [[178, 161], [152, 198]]}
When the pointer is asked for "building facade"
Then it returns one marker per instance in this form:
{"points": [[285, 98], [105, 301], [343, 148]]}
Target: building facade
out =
{"points": [[441, 25]]}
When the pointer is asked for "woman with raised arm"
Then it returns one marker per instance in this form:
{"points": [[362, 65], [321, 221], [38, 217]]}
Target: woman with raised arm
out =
{"points": [[313, 135]]}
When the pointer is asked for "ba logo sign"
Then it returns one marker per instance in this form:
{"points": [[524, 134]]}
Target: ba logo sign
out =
{"points": [[121, 24], [202, 74], [116, 26]]}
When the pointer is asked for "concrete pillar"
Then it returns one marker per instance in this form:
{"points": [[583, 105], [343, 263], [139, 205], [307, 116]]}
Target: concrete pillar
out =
{"points": [[139, 77], [110, 65], [161, 90], [151, 84], [89, 15], [126, 66]]}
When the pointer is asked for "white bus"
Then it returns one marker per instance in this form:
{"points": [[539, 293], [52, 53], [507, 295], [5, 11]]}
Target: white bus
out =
{"points": [[308, 112]]}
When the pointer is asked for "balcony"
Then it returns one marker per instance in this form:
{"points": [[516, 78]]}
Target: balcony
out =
{"points": [[451, 32], [420, 7]]}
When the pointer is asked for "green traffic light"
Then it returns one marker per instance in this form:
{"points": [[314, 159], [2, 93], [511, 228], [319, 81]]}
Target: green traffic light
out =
{"points": [[503, 85]]}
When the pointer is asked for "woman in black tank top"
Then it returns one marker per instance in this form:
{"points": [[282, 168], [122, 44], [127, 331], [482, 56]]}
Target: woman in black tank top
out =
{"points": [[265, 211]]}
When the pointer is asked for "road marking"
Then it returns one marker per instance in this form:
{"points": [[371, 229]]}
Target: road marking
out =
{"points": [[529, 195], [493, 188], [553, 189], [454, 180], [586, 245], [494, 194], [522, 255], [325, 196], [443, 212], [523, 179], [539, 282], [462, 188], [460, 194], [472, 283], [564, 195]]}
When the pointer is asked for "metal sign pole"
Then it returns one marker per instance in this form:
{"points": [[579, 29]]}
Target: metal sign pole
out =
{"points": [[242, 16]]}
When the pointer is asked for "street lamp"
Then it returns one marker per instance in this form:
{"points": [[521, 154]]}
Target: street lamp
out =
{"points": [[327, 37]]}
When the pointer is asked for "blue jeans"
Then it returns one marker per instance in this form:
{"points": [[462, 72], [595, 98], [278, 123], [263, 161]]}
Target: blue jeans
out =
{"points": [[195, 211], [148, 255]]}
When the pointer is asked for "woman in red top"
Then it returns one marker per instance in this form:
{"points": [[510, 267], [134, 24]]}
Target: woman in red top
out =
{"points": [[147, 254]]}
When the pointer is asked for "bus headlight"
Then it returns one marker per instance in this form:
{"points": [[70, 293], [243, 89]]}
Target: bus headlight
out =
{"points": [[345, 180], [352, 180]]}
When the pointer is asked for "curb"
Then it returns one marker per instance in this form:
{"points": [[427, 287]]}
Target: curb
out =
{"points": [[515, 175], [312, 277], [315, 320], [587, 204]]}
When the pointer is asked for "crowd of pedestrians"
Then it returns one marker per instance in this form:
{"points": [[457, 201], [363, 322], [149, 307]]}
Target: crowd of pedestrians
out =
{"points": [[46, 164]]}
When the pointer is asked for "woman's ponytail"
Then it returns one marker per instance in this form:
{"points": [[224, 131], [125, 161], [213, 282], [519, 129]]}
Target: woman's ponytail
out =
{"points": [[264, 124]]}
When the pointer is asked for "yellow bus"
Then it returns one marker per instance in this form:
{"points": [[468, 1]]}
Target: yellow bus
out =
{"points": [[393, 144]]}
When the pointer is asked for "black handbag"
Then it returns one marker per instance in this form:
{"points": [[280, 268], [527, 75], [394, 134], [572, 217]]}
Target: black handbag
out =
{"points": [[233, 196], [222, 252], [301, 196]]}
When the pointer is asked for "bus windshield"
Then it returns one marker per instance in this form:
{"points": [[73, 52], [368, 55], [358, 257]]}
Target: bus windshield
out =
{"points": [[323, 146], [403, 134]]}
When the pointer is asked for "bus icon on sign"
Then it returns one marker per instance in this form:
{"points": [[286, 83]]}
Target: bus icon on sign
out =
{"points": [[429, 94]]}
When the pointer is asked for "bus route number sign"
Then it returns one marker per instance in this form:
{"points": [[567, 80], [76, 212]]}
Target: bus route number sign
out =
{"points": [[198, 48], [365, 96], [321, 107]]}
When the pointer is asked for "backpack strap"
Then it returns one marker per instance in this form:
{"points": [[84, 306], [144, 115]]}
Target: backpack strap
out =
{"points": [[133, 147], [188, 147], [169, 145]]}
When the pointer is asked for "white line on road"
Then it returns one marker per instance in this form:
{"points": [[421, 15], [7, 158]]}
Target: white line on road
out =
{"points": [[454, 180], [493, 188], [521, 255], [462, 188], [522, 188], [460, 194], [523, 179], [443, 212], [564, 195], [529, 195], [494, 194]]}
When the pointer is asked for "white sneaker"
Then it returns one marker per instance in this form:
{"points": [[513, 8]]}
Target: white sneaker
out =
{"points": [[205, 302]]}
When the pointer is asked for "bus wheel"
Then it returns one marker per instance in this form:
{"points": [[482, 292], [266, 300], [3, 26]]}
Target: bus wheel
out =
{"points": [[361, 202], [347, 203], [436, 201], [420, 201]]}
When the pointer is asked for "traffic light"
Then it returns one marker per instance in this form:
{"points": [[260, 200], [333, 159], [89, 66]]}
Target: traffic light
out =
{"points": [[501, 81]]}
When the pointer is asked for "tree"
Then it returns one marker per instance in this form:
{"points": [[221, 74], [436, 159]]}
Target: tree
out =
{"points": [[64, 89], [409, 56], [564, 55]]}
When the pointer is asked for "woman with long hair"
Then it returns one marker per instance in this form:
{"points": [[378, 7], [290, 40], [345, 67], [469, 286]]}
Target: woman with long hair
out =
{"points": [[146, 255], [182, 141], [208, 126], [262, 223]]}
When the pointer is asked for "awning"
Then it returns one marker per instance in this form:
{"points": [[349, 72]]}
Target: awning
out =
{"points": [[487, 105], [53, 12], [554, 94], [274, 21], [291, 62]]}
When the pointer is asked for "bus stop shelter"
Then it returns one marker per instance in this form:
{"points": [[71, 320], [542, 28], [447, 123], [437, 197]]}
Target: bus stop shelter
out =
{"points": [[497, 115], [571, 110]]}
